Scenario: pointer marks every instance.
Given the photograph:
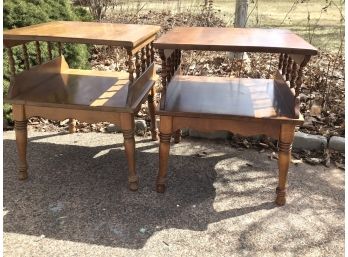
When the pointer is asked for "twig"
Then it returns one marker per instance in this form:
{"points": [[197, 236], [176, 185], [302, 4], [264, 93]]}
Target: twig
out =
{"points": [[136, 14], [291, 9]]}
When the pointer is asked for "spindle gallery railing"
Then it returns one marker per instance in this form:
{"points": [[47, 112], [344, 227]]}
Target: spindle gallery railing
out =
{"points": [[141, 60], [290, 68], [171, 64]]}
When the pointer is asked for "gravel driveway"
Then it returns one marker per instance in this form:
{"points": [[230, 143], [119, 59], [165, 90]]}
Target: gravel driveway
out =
{"points": [[219, 201]]}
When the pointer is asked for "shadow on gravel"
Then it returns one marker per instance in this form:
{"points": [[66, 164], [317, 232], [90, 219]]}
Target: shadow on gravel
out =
{"points": [[80, 194]]}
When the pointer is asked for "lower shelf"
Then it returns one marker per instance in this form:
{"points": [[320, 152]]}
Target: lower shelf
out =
{"points": [[257, 98], [54, 84]]}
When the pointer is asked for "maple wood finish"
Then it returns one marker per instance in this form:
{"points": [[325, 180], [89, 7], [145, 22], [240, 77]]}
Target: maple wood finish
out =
{"points": [[55, 91], [239, 105]]}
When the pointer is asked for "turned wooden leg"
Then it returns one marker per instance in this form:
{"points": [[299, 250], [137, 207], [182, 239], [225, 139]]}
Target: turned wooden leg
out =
{"points": [[177, 136], [165, 136], [152, 106], [72, 125], [284, 145], [127, 126], [21, 141]]}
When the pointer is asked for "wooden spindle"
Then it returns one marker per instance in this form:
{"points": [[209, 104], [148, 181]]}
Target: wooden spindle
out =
{"points": [[280, 64], [168, 68], [288, 69], [137, 65], [11, 61], [130, 65], [293, 75], [164, 77], [152, 53], [175, 60], [25, 56], [148, 56], [299, 79], [49, 49], [172, 65], [143, 59], [38, 52], [60, 48], [178, 58], [285, 63]]}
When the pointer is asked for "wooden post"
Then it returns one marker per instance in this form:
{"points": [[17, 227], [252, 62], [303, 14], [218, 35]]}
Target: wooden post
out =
{"points": [[164, 78], [152, 106], [127, 126], [143, 59], [11, 61], [21, 139], [130, 65], [49, 49], [137, 65], [165, 135], [60, 48], [38, 52], [148, 56], [152, 53], [285, 143], [25, 56]]}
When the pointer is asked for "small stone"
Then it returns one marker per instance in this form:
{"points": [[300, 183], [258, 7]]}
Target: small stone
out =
{"points": [[140, 127], [296, 162], [337, 143], [64, 122], [142, 230], [273, 156], [112, 128], [313, 161], [305, 141]]}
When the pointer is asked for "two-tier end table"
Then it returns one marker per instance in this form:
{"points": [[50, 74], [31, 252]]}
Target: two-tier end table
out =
{"points": [[53, 90], [240, 105]]}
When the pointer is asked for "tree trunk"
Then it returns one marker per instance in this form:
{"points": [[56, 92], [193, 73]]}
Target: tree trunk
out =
{"points": [[241, 13], [240, 20]]}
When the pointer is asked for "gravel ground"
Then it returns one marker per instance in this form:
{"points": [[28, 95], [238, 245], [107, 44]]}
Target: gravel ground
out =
{"points": [[219, 201]]}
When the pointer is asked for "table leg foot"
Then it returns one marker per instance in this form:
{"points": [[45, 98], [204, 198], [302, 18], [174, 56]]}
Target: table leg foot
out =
{"points": [[280, 200], [160, 188], [23, 173], [133, 183], [284, 157]]}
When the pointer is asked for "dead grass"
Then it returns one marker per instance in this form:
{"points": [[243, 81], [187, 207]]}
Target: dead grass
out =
{"points": [[320, 26]]}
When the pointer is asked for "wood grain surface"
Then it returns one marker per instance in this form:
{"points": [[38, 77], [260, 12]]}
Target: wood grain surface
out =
{"points": [[126, 35], [235, 39]]}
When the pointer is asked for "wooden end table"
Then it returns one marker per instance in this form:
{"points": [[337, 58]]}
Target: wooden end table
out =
{"points": [[55, 91], [240, 105]]}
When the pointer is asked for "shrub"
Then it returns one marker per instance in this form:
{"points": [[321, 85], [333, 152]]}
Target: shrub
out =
{"points": [[20, 13]]}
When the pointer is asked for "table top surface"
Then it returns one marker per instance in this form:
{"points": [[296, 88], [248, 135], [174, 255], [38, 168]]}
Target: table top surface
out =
{"points": [[126, 35], [235, 39]]}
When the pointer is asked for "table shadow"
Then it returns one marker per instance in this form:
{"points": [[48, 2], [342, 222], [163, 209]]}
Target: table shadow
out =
{"points": [[80, 194]]}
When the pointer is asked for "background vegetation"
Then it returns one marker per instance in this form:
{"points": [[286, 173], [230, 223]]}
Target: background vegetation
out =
{"points": [[20, 13]]}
